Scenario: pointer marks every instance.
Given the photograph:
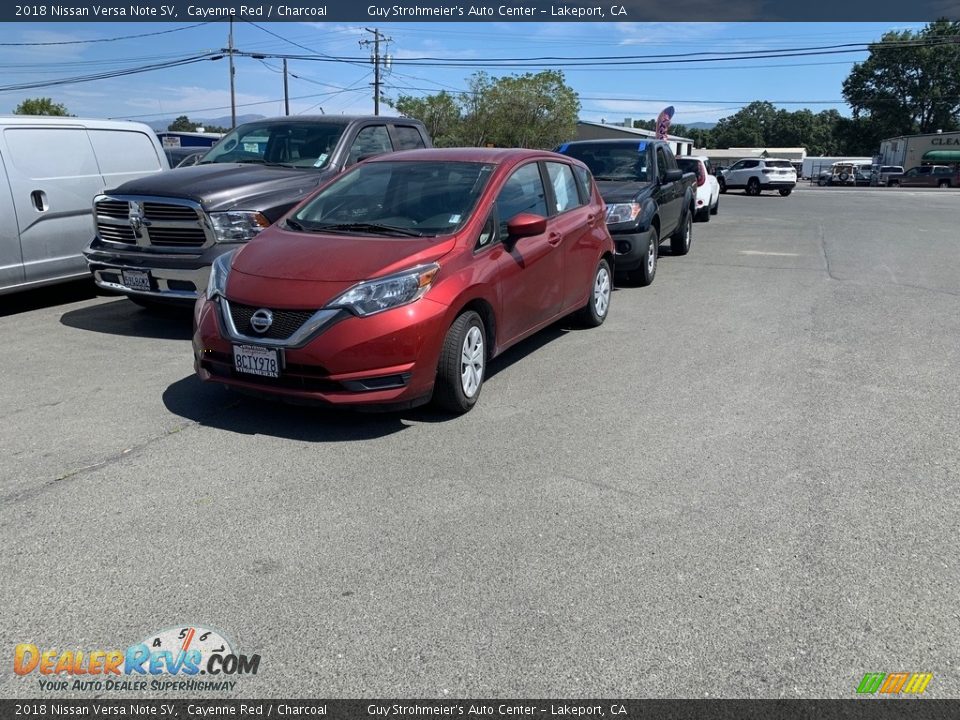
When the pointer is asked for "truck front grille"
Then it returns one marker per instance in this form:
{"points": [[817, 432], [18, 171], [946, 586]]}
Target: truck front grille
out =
{"points": [[174, 224]]}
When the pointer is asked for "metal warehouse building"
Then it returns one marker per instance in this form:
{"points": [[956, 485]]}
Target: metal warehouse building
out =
{"points": [[909, 151]]}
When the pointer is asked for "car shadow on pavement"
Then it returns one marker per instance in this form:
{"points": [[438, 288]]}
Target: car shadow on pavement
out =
{"points": [[122, 317], [48, 296], [214, 406]]}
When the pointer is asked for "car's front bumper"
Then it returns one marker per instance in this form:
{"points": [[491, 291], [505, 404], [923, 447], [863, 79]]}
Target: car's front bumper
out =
{"points": [[181, 277], [631, 250], [381, 361]]}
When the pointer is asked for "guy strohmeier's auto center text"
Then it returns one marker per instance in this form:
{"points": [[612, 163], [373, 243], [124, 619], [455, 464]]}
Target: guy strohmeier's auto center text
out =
{"points": [[502, 11]]}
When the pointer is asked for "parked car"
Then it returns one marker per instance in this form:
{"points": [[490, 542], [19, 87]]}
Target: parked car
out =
{"points": [[757, 175], [50, 169], [402, 278], [648, 197], [708, 189], [886, 175], [839, 173], [862, 174], [939, 176], [156, 238]]}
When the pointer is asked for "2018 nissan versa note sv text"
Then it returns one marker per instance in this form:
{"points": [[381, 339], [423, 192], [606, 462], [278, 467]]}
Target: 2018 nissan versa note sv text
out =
{"points": [[398, 281]]}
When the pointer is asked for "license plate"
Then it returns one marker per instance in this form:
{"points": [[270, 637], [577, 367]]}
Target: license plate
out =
{"points": [[255, 360], [137, 280]]}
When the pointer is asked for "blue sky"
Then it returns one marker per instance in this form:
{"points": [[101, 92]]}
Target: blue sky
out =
{"points": [[699, 92]]}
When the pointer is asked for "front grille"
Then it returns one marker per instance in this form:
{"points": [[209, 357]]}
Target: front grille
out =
{"points": [[285, 322], [176, 236], [162, 211], [177, 225], [116, 233], [114, 208]]}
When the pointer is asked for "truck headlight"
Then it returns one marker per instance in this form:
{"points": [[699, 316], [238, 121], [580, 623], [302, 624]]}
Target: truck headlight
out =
{"points": [[237, 225], [374, 296], [623, 212], [219, 272]]}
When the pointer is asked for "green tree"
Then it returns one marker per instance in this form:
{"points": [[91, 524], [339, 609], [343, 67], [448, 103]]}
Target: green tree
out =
{"points": [[41, 106], [440, 113], [532, 111], [751, 126], [182, 124], [901, 89]]}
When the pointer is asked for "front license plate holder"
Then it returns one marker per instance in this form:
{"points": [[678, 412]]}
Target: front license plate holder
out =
{"points": [[256, 360], [137, 280]]}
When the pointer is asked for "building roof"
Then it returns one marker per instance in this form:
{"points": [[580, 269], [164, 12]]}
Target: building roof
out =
{"points": [[633, 131], [920, 135]]}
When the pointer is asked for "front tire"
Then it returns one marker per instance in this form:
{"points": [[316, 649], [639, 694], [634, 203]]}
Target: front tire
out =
{"points": [[753, 187], [723, 185], [648, 270], [598, 303], [682, 238], [943, 184], [462, 365]]}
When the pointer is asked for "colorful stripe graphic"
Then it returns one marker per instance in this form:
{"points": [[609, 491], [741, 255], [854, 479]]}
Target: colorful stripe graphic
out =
{"points": [[894, 683]]}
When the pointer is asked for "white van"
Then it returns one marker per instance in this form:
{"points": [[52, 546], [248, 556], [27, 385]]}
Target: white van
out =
{"points": [[50, 170]]}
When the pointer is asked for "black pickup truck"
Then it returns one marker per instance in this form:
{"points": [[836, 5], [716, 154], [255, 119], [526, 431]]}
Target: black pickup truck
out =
{"points": [[648, 199], [157, 237]]}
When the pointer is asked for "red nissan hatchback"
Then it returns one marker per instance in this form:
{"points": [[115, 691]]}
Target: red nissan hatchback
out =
{"points": [[399, 280]]}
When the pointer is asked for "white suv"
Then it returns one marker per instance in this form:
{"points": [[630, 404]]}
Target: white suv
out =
{"points": [[754, 176]]}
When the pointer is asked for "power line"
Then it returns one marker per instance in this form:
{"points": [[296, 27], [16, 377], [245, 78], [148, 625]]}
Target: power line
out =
{"points": [[112, 74], [100, 40]]}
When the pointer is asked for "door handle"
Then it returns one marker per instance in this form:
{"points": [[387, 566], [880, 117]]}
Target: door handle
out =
{"points": [[554, 238], [39, 200]]}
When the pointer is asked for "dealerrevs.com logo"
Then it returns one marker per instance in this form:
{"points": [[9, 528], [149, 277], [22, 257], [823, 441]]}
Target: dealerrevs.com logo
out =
{"points": [[185, 658]]}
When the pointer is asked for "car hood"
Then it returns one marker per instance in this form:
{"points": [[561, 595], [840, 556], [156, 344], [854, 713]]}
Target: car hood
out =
{"points": [[622, 191], [288, 269], [222, 186]]}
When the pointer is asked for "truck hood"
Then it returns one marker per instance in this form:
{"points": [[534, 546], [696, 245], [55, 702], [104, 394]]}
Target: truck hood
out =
{"points": [[314, 257], [224, 186], [622, 191]]}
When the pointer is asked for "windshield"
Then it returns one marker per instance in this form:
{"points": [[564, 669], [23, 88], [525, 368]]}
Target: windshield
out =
{"points": [[289, 144], [613, 162], [400, 198]]}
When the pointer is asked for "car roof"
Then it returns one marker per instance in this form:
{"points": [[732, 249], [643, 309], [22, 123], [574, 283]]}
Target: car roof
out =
{"points": [[482, 155], [702, 158]]}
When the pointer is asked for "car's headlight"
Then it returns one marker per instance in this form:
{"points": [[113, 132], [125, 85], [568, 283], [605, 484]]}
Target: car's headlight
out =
{"points": [[374, 296], [237, 225], [623, 212], [219, 272]]}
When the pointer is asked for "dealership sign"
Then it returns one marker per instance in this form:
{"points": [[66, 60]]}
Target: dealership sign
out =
{"points": [[945, 141]]}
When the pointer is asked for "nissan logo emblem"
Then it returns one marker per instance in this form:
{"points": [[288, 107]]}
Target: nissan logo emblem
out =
{"points": [[261, 320]]}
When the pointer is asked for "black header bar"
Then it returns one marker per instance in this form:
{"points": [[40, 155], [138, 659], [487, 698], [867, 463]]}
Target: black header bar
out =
{"points": [[496, 11]]}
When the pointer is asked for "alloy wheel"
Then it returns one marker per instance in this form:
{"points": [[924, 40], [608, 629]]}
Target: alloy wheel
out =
{"points": [[471, 361], [601, 291]]}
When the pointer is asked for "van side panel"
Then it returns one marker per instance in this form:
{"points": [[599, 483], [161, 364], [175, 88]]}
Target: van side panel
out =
{"points": [[11, 260], [125, 155], [53, 178]]}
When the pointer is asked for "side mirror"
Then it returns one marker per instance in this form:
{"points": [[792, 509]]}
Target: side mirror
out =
{"points": [[672, 176], [525, 225]]}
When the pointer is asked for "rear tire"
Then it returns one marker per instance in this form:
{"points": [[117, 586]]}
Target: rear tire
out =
{"points": [[786, 191], [595, 311], [823, 182], [715, 210], [682, 237], [462, 365], [753, 187], [943, 184]]}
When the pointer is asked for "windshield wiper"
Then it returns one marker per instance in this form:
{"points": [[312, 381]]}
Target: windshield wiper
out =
{"points": [[368, 227], [293, 225]]}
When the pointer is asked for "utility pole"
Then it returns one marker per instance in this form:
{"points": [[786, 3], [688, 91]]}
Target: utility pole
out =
{"points": [[233, 93], [378, 38], [286, 90]]}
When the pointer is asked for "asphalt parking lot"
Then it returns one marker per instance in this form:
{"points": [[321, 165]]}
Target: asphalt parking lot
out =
{"points": [[744, 484]]}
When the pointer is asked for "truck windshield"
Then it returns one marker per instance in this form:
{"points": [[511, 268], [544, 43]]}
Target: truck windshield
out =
{"points": [[289, 144], [615, 162], [396, 198]]}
